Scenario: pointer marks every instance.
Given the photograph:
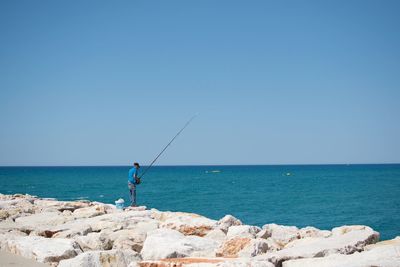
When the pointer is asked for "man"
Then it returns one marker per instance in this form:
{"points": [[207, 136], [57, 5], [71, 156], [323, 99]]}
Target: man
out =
{"points": [[133, 181]]}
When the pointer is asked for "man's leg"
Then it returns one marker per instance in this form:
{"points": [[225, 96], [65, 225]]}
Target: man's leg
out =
{"points": [[131, 188], [134, 196]]}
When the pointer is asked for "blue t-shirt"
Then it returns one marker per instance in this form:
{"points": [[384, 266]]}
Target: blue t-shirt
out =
{"points": [[133, 172]]}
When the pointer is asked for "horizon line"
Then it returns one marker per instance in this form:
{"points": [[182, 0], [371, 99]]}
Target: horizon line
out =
{"points": [[206, 165]]}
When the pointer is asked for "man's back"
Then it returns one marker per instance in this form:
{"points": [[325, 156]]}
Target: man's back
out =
{"points": [[131, 175]]}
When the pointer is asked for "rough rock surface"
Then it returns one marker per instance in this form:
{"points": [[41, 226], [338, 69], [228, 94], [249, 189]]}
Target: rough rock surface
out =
{"points": [[102, 259], [346, 243], [205, 262], [228, 221], [84, 233], [187, 223], [243, 231], [167, 243], [382, 255], [243, 247], [46, 250]]}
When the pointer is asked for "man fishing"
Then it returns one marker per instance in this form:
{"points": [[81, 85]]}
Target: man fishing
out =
{"points": [[133, 181]]}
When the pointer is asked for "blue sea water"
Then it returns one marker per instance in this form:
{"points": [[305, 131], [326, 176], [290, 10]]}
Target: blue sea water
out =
{"points": [[323, 196]]}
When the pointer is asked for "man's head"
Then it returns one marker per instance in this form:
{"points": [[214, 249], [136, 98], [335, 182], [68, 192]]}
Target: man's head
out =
{"points": [[136, 165]]}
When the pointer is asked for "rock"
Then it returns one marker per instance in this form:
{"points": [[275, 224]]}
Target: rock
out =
{"points": [[144, 226], [273, 245], [128, 239], [243, 231], [280, 233], [46, 250], [310, 231], [139, 208], [385, 254], [228, 221], [256, 247], [242, 247], [71, 229], [167, 243], [4, 214], [42, 219], [94, 241], [187, 223], [217, 235], [120, 258], [392, 242], [205, 262], [233, 246], [338, 231], [119, 220], [112, 237], [347, 243], [89, 212]]}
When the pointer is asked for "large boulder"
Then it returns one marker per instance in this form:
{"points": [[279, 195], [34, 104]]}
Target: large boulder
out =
{"points": [[243, 231], [186, 223], [242, 247], [205, 262], [228, 221], [310, 231], [44, 218], [128, 239], [119, 220], [392, 242], [385, 254], [280, 233], [46, 250], [120, 258], [94, 241], [89, 212], [55, 205], [346, 243], [167, 243], [71, 229], [217, 235]]}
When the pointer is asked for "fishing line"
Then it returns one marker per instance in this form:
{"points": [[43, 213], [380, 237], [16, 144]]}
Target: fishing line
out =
{"points": [[170, 142]]}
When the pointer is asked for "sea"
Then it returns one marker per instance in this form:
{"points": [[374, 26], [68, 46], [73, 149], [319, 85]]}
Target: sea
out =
{"points": [[323, 196]]}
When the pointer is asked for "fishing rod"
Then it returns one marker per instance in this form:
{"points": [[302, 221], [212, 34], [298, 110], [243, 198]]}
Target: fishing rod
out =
{"points": [[170, 142]]}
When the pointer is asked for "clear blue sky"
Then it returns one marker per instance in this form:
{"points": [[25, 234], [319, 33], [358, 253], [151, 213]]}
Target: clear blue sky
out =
{"points": [[274, 82]]}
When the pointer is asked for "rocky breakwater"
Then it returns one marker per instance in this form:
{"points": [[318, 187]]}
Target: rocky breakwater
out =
{"points": [[83, 233]]}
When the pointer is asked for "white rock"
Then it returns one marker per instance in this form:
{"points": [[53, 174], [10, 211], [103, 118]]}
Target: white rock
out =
{"points": [[120, 258], [280, 233], [167, 243], [89, 212], [256, 247], [46, 250], [144, 226], [187, 223], [119, 220], [205, 262], [243, 231], [228, 221], [347, 243], [42, 219], [273, 245], [310, 231], [386, 255], [391, 242], [338, 231], [217, 235], [94, 241], [242, 247], [128, 239], [71, 229]]}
